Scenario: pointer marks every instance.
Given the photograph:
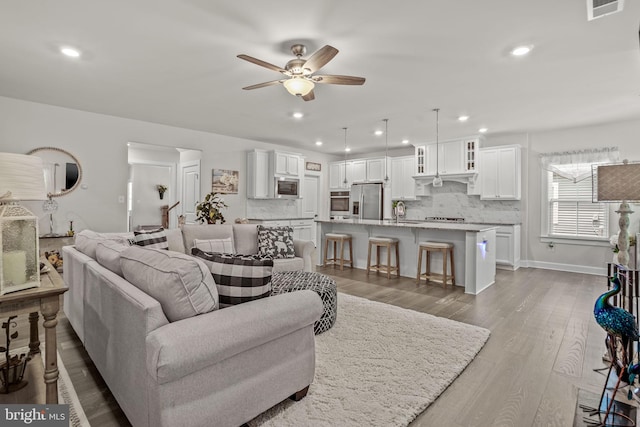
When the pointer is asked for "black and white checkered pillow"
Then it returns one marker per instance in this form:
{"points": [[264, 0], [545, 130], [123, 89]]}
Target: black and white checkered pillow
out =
{"points": [[239, 278], [156, 239], [275, 242]]}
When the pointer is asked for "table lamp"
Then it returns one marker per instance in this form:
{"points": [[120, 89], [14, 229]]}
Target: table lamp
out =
{"points": [[21, 178], [619, 183]]}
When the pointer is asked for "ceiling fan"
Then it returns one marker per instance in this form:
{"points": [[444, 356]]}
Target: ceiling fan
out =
{"points": [[300, 80]]}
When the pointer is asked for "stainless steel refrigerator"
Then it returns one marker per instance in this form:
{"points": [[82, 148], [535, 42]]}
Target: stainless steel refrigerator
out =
{"points": [[366, 201]]}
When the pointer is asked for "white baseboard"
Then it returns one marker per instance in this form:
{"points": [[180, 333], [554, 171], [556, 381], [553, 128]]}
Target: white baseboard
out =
{"points": [[571, 268]]}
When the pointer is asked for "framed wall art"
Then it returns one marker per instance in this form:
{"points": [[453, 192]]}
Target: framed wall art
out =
{"points": [[224, 181]]}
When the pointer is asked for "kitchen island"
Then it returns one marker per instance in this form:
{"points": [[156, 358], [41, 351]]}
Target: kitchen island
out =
{"points": [[474, 246]]}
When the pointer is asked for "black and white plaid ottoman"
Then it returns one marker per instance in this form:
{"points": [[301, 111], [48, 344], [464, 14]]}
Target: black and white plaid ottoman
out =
{"points": [[323, 285]]}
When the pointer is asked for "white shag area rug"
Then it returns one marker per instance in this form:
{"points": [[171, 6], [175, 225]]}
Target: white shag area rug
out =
{"points": [[380, 365]]}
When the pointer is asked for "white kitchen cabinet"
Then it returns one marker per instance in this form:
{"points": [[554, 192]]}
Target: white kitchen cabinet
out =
{"points": [[287, 164], [508, 247], [338, 171], [376, 169], [258, 179], [402, 182], [445, 157], [303, 229], [500, 173], [420, 156], [359, 171]]}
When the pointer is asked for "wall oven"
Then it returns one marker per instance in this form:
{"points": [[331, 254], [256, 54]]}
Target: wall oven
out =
{"points": [[339, 203], [287, 188]]}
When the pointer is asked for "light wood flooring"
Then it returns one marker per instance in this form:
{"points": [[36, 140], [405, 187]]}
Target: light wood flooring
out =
{"points": [[544, 344]]}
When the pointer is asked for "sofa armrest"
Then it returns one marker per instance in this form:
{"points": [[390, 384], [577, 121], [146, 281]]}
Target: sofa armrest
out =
{"points": [[306, 250], [184, 347]]}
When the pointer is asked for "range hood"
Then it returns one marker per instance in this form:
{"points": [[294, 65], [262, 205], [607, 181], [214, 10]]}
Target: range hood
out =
{"points": [[463, 177]]}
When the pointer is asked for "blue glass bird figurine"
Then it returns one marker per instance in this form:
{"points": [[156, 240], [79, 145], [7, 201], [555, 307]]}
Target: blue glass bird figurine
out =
{"points": [[615, 320]]}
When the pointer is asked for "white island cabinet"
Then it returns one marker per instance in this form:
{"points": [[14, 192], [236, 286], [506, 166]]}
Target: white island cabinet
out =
{"points": [[474, 246]]}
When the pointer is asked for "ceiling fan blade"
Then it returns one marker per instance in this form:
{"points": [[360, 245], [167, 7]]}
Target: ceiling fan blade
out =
{"points": [[339, 80], [320, 58], [265, 84], [262, 63], [309, 97]]}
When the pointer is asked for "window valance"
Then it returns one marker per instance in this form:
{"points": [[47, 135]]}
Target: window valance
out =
{"points": [[576, 165]]}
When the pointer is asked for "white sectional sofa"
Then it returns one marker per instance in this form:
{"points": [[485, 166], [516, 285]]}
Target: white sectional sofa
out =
{"points": [[222, 367]]}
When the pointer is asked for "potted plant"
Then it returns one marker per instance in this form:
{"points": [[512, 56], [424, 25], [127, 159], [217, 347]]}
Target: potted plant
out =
{"points": [[209, 211], [161, 189]]}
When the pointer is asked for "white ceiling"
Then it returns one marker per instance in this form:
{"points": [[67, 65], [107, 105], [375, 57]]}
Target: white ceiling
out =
{"points": [[174, 62]]}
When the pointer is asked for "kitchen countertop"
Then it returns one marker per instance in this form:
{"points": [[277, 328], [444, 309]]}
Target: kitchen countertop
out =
{"points": [[280, 219], [432, 225]]}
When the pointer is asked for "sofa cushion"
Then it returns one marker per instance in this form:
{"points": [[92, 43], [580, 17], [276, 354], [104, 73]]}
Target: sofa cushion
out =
{"points": [[87, 240], [108, 255], [275, 242], [174, 239], [245, 238], [239, 278], [180, 283], [156, 239], [288, 264], [215, 245], [190, 232]]}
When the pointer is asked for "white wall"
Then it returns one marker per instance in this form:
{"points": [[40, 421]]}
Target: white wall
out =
{"points": [[623, 135], [100, 144]]}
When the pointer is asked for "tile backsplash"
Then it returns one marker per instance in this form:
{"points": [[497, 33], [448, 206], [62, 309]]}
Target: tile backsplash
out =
{"points": [[272, 208], [451, 200]]}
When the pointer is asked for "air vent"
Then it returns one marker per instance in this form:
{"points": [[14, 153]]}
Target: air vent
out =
{"points": [[600, 8]]}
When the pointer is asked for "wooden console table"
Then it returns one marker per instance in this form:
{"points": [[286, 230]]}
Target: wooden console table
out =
{"points": [[45, 299]]}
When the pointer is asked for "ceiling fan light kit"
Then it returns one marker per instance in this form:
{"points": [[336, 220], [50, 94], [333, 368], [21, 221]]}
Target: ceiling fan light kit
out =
{"points": [[300, 80], [298, 86]]}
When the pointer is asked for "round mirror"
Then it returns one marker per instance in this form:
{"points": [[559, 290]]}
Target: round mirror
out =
{"points": [[62, 171]]}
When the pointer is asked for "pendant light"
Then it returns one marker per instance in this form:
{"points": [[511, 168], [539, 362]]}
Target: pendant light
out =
{"points": [[345, 157], [386, 149], [437, 181]]}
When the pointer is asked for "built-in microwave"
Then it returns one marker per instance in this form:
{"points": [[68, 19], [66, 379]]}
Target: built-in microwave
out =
{"points": [[287, 188], [339, 203]]}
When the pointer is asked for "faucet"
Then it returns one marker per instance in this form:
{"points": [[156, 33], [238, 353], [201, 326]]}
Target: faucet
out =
{"points": [[399, 210]]}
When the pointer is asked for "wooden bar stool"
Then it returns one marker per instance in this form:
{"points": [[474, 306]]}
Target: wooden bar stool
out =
{"points": [[389, 243], [342, 239], [445, 249]]}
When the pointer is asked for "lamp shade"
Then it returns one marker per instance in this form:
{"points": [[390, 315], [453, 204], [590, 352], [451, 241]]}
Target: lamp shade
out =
{"points": [[616, 183], [298, 86], [21, 177]]}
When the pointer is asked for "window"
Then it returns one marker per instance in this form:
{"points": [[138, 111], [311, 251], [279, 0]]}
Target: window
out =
{"points": [[571, 212], [568, 211]]}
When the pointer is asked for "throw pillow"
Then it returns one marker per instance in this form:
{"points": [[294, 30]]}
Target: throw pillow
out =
{"points": [[86, 241], [108, 255], [215, 245], [239, 278], [156, 239], [181, 283], [275, 242]]}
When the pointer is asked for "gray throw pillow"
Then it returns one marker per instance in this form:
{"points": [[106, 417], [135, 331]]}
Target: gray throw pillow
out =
{"points": [[275, 242], [182, 284]]}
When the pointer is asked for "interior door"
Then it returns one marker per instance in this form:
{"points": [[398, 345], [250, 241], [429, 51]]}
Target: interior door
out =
{"points": [[190, 176], [310, 203]]}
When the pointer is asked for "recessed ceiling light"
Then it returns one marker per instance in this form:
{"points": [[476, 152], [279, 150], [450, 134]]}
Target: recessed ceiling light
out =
{"points": [[298, 115], [521, 50], [71, 52], [405, 141], [483, 130], [318, 143], [347, 149], [463, 118], [378, 133]]}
